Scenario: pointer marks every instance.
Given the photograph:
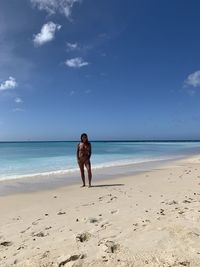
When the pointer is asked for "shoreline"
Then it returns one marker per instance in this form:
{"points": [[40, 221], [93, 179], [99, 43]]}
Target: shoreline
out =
{"points": [[31, 170], [47, 182], [100, 166], [149, 218]]}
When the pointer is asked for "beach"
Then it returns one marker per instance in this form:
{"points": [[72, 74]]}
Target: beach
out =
{"points": [[111, 88], [149, 218]]}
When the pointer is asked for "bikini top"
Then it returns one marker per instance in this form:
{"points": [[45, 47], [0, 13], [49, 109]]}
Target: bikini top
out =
{"points": [[84, 150]]}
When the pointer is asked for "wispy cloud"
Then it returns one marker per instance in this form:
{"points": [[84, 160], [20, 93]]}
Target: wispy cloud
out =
{"points": [[76, 62], [55, 6], [8, 84], [18, 100], [72, 46], [47, 33], [193, 79], [83, 49]]}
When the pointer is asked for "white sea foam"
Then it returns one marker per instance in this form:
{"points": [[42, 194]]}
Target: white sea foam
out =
{"points": [[67, 172], [49, 159]]}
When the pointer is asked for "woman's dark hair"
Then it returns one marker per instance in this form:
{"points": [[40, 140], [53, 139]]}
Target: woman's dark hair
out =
{"points": [[84, 135]]}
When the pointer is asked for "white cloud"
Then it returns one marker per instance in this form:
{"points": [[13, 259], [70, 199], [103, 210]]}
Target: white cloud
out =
{"points": [[18, 100], [83, 48], [53, 6], [46, 34], [193, 79], [76, 62], [8, 84], [72, 46]]}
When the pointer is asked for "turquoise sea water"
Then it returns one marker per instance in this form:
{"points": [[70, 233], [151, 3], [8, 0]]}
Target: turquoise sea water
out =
{"points": [[22, 159]]}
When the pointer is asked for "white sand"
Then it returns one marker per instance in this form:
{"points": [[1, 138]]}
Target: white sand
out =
{"points": [[148, 219]]}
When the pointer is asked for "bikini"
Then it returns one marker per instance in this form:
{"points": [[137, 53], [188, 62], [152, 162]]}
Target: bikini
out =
{"points": [[84, 152]]}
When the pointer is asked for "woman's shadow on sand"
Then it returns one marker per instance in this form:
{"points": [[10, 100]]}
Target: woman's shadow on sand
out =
{"points": [[104, 185]]}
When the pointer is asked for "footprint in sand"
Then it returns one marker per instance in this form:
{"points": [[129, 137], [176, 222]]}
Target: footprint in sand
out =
{"points": [[144, 223], [105, 224], [36, 221], [135, 226], [173, 202], [110, 196], [161, 212], [114, 211], [22, 232], [61, 213], [63, 260], [39, 234], [45, 254], [186, 201], [101, 198], [15, 261], [83, 237], [109, 246], [17, 218], [181, 212], [21, 247], [92, 220], [48, 227], [6, 243], [184, 263], [88, 204]]}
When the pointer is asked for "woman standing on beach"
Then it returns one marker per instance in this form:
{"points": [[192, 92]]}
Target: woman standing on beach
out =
{"points": [[84, 151]]}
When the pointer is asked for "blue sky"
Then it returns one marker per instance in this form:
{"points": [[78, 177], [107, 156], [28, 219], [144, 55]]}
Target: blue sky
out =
{"points": [[114, 69]]}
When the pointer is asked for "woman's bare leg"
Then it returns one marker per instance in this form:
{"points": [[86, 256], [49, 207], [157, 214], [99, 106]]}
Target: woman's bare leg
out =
{"points": [[81, 166], [88, 167]]}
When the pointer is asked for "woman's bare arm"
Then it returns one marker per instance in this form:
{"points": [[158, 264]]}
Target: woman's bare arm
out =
{"points": [[90, 150], [77, 152]]}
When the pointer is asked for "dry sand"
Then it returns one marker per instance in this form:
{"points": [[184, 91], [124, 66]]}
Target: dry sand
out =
{"points": [[147, 219]]}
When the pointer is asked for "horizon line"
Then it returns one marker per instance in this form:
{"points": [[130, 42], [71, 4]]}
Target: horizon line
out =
{"points": [[106, 140]]}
